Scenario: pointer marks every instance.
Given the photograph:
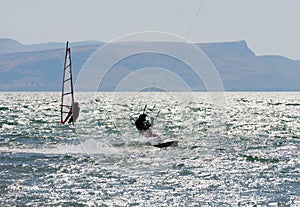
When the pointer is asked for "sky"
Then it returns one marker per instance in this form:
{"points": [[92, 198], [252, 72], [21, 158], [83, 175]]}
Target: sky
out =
{"points": [[270, 27]]}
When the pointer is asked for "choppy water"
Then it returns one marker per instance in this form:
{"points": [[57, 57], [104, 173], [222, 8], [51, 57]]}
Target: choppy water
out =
{"points": [[246, 153]]}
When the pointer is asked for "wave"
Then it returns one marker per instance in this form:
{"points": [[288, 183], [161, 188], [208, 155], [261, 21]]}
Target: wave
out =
{"points": [[251, 158], [3, 108]]}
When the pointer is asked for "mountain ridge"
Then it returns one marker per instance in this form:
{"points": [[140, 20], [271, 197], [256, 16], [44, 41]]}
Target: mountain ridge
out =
{"points": [[38, 67], [8, 46]]}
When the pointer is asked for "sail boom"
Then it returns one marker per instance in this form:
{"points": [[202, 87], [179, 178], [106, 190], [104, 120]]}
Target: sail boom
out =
{"points": [[67, 106], [67, 93], [67, 79]]}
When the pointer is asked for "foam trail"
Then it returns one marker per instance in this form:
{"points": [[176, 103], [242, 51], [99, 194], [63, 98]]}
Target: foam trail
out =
{"points": [[90, 146]]}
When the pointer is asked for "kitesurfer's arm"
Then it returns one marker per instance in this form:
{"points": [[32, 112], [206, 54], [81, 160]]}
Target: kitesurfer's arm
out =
{"points": [[152, 121]]}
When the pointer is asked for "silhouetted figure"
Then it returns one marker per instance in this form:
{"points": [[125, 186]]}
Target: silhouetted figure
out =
{"points": [[74, 113], [144, 126], [141, 123]]}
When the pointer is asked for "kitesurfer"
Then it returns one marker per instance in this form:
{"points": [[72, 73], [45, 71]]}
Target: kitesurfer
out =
{"points": [[144, 125]]}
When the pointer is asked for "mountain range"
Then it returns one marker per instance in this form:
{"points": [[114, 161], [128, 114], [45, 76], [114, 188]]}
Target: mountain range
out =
{"points": [[39, 67]]}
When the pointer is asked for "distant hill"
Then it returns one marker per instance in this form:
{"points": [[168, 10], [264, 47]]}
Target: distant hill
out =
{"points": [[57, 45], [39, 67], [240, 69], [12, 46], [38, 70]]}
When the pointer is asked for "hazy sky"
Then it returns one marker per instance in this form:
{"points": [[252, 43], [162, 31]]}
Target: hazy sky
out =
{"points": [[268, 26]]}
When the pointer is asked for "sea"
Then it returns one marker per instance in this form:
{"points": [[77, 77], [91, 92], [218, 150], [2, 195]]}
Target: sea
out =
{"points": [[234, 149]]}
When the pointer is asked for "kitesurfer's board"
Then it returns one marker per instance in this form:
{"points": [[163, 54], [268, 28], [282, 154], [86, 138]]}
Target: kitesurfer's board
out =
{"points": [[67, 95], [166, 144]]}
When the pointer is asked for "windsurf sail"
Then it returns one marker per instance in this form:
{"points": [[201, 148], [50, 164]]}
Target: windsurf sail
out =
{"points": [[67, 94]]}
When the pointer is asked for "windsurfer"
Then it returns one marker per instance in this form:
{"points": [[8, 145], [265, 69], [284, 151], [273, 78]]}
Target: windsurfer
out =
{"points": [[74, 113]]}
